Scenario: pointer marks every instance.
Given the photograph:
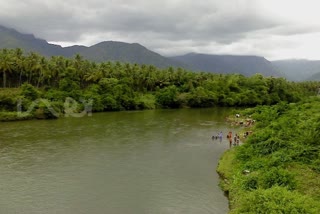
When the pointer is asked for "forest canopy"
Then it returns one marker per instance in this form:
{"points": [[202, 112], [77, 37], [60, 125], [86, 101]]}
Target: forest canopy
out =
{"points": [[121, 86]]}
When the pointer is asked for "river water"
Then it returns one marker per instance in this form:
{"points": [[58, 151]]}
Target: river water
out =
{"points": [[160, 161]]}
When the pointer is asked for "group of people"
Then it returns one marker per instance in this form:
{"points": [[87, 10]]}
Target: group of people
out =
{"points": [[233, 140], [218, 136]]}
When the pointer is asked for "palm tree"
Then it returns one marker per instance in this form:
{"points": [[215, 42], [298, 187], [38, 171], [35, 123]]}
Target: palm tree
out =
{"points": [[42, 71], [78, 64], [33, 67], [5, 65], [94, 76], [19, 63]]}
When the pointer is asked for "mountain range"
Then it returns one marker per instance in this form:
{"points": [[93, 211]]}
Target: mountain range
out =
{"points": [[104, 51], [246, 65], [295, 70], [299, 69]]}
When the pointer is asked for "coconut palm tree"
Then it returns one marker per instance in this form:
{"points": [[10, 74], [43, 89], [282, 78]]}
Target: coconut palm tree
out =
{"points": [[5, 65]]}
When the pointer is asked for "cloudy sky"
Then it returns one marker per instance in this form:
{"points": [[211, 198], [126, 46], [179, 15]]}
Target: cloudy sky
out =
{"points": [[275, 29]]}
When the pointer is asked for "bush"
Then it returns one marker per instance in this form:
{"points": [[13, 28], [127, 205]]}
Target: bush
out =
{"points": [[45, 110], [13, 116], [8, 102], [201, 97], [250, 183], [168, 97], [277, 177], [29, 92], [276, 200], [110, 103], [146, 101]]}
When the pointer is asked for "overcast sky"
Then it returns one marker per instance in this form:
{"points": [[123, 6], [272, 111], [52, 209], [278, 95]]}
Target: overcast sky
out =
{"points": [[275, 29]]}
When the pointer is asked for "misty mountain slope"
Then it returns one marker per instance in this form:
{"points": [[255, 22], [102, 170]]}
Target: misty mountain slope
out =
{"points": [[10, 38], [125, 52], [314, 77], [246, 65], [297, 70], [104, 51]]}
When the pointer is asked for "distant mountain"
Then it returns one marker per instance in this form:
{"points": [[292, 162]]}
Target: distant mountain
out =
{"points": [[314, 77], [10, 38], [297, 70], [104, 51], [246, 65], [124, 52]]}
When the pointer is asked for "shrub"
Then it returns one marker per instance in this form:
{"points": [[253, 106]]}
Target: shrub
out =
{"points": [[276, 176], [146, 101], [29, 92], [276, 200], [168, 97], [250, 182]]}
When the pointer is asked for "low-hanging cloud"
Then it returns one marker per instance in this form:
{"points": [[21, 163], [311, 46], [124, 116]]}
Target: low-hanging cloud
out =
{"points": [[168, 26]]}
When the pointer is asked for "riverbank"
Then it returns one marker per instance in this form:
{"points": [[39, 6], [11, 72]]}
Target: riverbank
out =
{"points": [[277, 169]]}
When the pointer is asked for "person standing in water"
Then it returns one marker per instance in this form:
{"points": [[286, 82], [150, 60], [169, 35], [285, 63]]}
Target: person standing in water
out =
{"points": [[220, 136], [235, 140], [230, 139], [238, 140]]}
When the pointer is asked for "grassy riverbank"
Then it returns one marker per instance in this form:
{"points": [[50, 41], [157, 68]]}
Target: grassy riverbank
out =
{"points": [[277, 170]]}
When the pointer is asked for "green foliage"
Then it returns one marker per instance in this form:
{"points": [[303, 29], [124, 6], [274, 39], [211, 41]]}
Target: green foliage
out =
{"points": [[114, 86], [250, 182], [72, 76], [29, 92], [277, 177], [9, 99], [281, 157], [146, 101], [276, 200], [110, 103], [12, 116], [168, 97], [93, 93], [55, 95], [201, 97], [44, 111]]}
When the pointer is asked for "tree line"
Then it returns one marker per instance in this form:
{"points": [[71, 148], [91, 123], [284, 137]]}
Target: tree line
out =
{"points": [[124, 86]]}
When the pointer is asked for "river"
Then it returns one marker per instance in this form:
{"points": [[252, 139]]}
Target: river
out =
{"points": [[135, 162]]}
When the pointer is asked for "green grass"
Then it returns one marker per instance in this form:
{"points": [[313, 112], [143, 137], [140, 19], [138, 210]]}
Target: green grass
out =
{"points": [[308, 181], [13, 116]]}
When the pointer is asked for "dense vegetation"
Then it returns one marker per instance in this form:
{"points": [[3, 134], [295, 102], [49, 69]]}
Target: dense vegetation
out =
{"points": [[120, 86], [277, 170]]}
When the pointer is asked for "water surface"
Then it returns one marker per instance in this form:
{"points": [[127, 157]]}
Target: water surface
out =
{"points": [[138, 162]]}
